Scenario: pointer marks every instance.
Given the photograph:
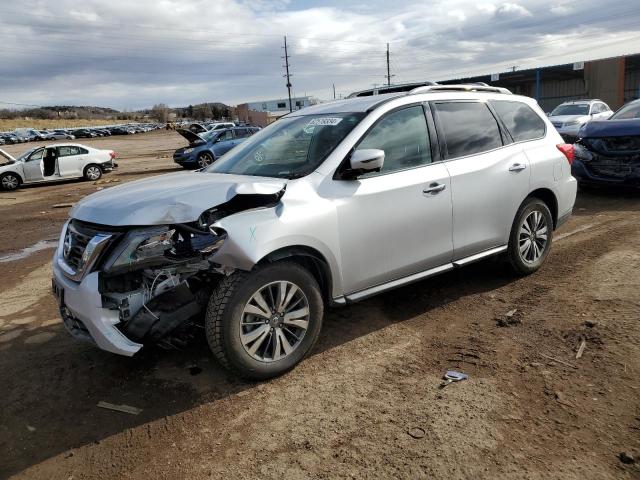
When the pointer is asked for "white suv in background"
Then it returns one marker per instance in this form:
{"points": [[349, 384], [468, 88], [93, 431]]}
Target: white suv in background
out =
{"points": [[568, 117], [326, 206]]}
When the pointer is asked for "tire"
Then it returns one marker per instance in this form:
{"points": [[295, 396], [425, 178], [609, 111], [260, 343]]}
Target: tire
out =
{"points": [[205, 159], [10, 181], [92, 172], [227, 319], [529, 248]]}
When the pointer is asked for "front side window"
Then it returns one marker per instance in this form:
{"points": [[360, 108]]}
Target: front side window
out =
{"points": [[468, 127], [37, 155], [520, 119], [404, 137], [291, 147], [224, 136]]}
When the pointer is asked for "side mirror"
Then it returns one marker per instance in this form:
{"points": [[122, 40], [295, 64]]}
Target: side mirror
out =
{"points": [[366, 160]]}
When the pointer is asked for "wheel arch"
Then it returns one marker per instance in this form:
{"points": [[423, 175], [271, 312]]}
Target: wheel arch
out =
{"points": [[13, 173], [309, 258], [550, 199]]}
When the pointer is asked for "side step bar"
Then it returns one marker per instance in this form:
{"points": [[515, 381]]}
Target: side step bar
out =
{"points": [[400, 282]]}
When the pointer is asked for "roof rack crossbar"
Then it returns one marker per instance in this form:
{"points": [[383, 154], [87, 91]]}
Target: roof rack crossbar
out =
{"points": [[459, 88]]}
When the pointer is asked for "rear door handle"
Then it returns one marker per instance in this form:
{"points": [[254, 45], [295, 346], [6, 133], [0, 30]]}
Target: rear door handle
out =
{"points": [[434, 188], [516, 167]]}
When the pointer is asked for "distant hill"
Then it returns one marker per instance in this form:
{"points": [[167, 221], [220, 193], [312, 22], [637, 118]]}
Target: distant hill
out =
{"points": [[200, 111]]}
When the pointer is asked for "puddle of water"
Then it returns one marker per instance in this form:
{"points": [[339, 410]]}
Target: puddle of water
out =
{"points": [[25, 252]]}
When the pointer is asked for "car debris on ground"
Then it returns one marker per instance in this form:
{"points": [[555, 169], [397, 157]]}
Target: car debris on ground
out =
{"points": [[120, 408]]}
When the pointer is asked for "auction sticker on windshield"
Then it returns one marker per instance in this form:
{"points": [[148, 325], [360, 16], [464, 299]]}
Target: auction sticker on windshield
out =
{"points": [[324, 121]]}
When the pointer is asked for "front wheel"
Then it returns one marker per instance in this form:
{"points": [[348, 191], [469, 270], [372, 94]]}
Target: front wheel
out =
{"points": [[92, 172], [531, 236], [10, 181], [205, 159], [262, 323]]}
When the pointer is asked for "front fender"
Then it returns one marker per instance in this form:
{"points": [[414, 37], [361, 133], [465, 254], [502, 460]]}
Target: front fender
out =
{"points": [[254, 234]]}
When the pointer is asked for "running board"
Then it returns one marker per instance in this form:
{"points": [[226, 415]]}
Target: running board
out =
{"points": [[479, 256], [400, 282]]}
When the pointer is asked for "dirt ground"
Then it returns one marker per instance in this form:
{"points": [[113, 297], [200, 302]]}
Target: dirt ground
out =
{"points": [[367, 402]]}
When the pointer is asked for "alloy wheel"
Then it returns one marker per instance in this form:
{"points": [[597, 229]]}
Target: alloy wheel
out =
{"points": [[9, 182], [205, 160], [533, 237], [93, 173], [274, 321]]}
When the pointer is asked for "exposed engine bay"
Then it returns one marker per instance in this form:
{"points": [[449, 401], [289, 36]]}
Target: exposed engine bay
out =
{"points": [[159, 278]]}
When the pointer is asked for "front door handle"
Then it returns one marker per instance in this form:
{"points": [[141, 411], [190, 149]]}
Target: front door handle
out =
{"points": [[434, 188], [516, 167]]}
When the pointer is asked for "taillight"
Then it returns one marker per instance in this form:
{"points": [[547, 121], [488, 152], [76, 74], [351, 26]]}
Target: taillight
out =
{"points": [[112, 155], [568, 150]]}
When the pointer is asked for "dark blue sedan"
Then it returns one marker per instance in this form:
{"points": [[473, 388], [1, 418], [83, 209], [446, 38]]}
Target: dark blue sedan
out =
{"points": [[607, 152], [205, 148]]}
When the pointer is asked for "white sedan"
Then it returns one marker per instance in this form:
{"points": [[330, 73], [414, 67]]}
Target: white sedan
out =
{"points": [[53, 163]]}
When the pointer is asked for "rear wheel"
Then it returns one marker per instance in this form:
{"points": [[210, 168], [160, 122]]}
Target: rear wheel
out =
{"points": [[531, 236], [92, 172], [205, 159], [261, 324], [10, 181]]}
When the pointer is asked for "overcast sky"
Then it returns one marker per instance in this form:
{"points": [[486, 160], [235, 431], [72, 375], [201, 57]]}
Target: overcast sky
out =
{"points": [[130, 54]]}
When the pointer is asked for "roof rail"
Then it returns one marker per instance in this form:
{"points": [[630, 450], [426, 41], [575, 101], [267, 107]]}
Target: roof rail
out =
{"points": [[459, 88]]}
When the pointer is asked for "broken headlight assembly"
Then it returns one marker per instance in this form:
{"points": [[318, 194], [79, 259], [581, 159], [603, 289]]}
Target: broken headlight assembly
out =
{"points": [[141, 247], [157, 246]]}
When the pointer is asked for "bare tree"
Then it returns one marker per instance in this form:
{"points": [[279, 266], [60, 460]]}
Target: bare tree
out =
{"points": [[160, 113]]}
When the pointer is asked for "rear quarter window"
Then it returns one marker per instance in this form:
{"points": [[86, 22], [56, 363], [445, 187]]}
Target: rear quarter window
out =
{"points": [[520, 119]]}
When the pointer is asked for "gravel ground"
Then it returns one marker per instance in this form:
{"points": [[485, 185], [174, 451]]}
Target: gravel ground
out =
{"points": [[367, 402]]}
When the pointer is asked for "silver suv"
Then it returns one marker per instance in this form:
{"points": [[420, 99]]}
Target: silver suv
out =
{"points": [[569, 117], [329, 205]]}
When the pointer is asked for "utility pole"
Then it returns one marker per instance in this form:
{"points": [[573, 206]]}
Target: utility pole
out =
{"points": [[388, 67], [287, 75], [334, 91]]}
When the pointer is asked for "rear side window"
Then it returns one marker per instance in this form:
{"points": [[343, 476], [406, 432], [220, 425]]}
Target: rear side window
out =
{"points": [[68, 150], [468, 128], [241, 133], [520, 119]]}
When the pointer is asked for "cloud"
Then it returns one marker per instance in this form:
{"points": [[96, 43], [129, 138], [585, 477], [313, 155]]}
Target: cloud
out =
{"points": [[507, 10], [127, 54]]}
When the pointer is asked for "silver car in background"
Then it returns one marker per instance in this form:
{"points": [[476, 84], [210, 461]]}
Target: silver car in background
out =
{"points": [[326, 206], [53, 163], [569, 117]]}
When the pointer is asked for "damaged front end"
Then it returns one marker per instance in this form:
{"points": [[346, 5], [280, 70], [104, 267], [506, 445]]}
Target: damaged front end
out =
{"points": [[153, 283], [611, 160]]}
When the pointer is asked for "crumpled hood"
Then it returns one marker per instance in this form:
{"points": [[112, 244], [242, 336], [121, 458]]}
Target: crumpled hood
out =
{"points": [[611, 128], [172, 198]]}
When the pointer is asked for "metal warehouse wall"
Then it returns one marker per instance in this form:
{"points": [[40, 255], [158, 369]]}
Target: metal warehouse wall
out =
{"points": [[554, 92], [605, 80], [632, 78]]}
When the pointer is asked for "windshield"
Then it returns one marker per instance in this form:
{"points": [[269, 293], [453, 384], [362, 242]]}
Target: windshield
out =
{"points": [[291, 147], [630, 110], [27, 153], [571, 110]]}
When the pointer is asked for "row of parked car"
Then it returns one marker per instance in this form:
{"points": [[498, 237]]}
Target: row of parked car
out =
{"points": [[23, 135]]}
